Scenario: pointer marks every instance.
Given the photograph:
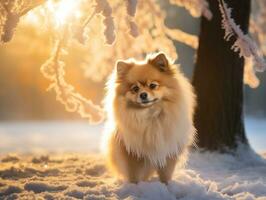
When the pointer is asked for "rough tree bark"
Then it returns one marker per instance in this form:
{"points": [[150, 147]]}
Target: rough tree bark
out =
{"points": [[218, 82]]}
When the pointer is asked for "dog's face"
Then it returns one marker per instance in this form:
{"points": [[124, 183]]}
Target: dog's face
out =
{"points": [[145, 84], [144, 93]]}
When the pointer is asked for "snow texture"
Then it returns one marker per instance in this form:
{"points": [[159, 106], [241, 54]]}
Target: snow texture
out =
{"points": [[80, 176], [56, 174]]}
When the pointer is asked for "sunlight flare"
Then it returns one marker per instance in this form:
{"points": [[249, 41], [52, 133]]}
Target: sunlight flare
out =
{"points": [[63, 10]]}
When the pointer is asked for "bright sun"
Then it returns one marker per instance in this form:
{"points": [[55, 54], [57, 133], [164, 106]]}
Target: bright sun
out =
{"points": [[63, 10], [60, 12]]}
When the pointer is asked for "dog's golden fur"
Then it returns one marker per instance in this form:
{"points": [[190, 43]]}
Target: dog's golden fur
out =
{"points": [[150, 134]]}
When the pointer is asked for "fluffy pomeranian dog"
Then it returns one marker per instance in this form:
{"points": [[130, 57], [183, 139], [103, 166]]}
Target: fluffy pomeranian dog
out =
{"points": [[150, 107]]}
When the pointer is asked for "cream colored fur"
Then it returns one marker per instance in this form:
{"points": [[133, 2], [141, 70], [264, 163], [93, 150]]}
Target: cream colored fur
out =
{"points": [[140, 141]]}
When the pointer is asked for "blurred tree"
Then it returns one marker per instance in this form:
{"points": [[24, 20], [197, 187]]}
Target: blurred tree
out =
{"points": [[218, 81]]}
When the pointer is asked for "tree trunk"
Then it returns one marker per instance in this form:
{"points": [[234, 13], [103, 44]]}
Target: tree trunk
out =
{"points": [[218, 82]]}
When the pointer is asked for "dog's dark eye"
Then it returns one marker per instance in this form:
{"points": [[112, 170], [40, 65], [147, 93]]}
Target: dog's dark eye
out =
{"points": [[135, 88], [153, 86]]}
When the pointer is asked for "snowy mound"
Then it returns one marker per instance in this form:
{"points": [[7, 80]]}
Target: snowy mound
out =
{"points": [[79, 176]]}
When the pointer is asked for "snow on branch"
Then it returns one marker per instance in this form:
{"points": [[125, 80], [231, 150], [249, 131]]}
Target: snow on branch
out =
{"points": [[183, 37], [79, 33], [131, 6], [196, 8], [246, 47], [105, 9], [53, 70], [10, 13], [154, 36]]}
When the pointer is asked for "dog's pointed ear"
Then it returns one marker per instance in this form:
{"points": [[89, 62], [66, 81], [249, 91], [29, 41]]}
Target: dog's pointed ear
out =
{"points": [[122, 67], [160, 61]]}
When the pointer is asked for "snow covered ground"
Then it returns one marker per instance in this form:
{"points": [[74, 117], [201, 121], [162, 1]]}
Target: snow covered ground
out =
{"points": [[57, 136], [43, 167]]}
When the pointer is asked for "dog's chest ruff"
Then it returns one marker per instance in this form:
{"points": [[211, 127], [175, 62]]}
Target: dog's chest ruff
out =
{"points": [[154, 135]]}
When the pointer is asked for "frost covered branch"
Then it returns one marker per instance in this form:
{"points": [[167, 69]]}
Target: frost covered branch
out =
{"points": [[131, 11], [183, 37], [79, 32], [153, 35], [10, 13], [105, 9], [243, 44], [53, 70], [196, 8]]}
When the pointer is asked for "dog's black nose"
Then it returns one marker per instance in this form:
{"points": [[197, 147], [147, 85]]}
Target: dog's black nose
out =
{"points": [[143, 95]]}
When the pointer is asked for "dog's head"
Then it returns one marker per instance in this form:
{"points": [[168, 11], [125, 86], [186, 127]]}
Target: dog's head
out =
{"points": [[143, 84]]}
